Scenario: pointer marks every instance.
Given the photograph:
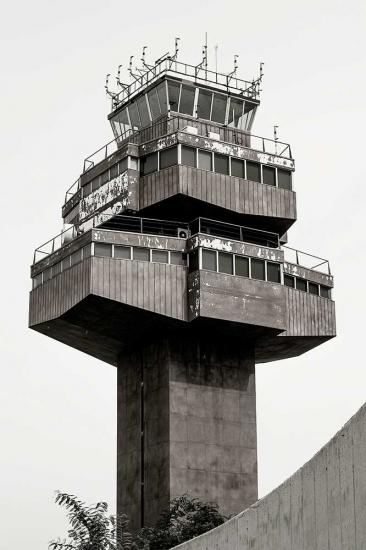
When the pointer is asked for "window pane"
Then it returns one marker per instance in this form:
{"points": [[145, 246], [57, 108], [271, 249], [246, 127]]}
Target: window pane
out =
{"points": [[87, 251], [122, 252], [284, 179], [149, 164], [269, 175], [177, 258], [273, 272], [301, 284], [65, 263], [187, 100], [113, 171], [76, 257], [209, 260], [257, 269], [103, 249], [253, 171], [314, 289], [87, 189], [160, 256], [235, 113], [237, 168], [95, 183], [161, 91], [324, 291], [123, 120], [56, 269], [221, 164], [189, 156], [225, 263], [47, 274], [37, 280], [173, 92], [134, 116], [289, 281], [154, 104], [144, 113], [122, 165], [168, 157], [241, 266], [204, 104], [204, 160], [105, 177], [219, 108], [142, 254]]}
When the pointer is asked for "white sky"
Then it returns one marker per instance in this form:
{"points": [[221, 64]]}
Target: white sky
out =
{"points": [[58, 428]]}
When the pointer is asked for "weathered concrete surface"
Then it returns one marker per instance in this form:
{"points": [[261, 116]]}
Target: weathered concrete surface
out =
{"points": [[321, 507]]}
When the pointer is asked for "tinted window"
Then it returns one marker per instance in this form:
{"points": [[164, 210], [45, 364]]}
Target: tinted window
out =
{"points": [[253, 171], [144, 113], [95, 183], [113, 172], [161, 91], [173, 92], [324, 291], [149, 164], [218, 108], [301, 284], [122, 165], [235, 113], [56, 269], [241, 266], [134, 116], [225, 263], [193, 261], [237, 168], [177, 258], [76, 257], [103, 249], [154, 104], [273, 272], [209, 260], [257, 269], [284, 178], [204, 104], [168, 157], [269, 175], [122, 252], [47, 275], [65, 263], [221, 164], [105, 177], [289, 281], [187, 100], [87, 251], [188, 156], [142, 254], [204, 160], [314, 289], [87, 189], [160, 256]]}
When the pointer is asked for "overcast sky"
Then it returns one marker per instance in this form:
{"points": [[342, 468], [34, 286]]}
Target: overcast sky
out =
{"points": [[58, 422]]}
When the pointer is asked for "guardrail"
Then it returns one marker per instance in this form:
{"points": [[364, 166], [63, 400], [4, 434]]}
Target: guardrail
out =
{"points": [[308, 261]]}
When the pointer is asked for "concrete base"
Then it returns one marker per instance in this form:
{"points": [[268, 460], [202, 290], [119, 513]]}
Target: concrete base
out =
{"points": [[186, 425]]}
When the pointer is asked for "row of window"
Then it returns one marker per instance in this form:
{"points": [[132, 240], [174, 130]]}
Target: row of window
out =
{"points": [[253, 268], [216, 162], [108, 175], [185, 99]]}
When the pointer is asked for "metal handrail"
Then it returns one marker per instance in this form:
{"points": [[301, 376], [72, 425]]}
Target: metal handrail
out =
{"points": [[299, 258]]}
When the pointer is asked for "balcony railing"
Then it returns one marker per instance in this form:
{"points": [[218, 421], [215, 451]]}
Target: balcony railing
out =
{"points": [[308, 261]]}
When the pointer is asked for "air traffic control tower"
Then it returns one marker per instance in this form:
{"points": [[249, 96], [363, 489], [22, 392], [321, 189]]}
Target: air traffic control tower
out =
{"points": [[173, 267]]}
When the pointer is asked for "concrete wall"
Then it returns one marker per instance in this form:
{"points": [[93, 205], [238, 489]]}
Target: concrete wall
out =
{"points": [[321, 507]]}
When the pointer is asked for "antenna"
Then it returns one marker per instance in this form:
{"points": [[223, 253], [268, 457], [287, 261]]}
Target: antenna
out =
{"points": [[230, 75], [108, 92], [118, 78], [144, 57], [261, 70], [176, 48], [275, 127], [135, 76], [216, 48]]}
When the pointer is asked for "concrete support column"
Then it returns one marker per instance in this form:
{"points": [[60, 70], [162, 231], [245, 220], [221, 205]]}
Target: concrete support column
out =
{"points": [[186, 425]]}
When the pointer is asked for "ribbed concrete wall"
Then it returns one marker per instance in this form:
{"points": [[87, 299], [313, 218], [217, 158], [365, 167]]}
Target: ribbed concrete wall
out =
{"points": [[321, 507]]}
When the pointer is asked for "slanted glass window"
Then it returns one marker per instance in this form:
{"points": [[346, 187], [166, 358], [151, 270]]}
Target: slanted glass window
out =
{"points": [[103, 249], [177, 258], [301, 284], [142, 254], [253, 171], [87, 251], [122, 165], [113, 172], [154, 104], [225, 263], [257, 269], [237, 168], [65, 263], [122, 252], [235, 113], [204, 160], [149, 164], [324, 291], [209, 260], [124, 122], [160, 256], [284, 178], [219, 108], [47, 275], [189, 156], [273, 272], [168, 157], [143, 111], [221, 164], [314, 289], [56, 269], [289, 281], [134, 116], [204, 104], [76, 257], [241, 266], [269, 175], [187, 99], [161, 91], [173, 92]]}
